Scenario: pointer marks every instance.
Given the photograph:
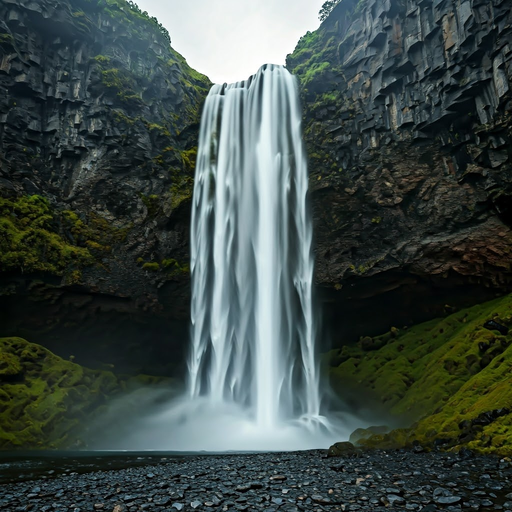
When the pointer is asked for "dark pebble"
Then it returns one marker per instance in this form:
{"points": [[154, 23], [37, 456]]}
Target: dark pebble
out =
{"points": [[284, 482], [448, 500]]}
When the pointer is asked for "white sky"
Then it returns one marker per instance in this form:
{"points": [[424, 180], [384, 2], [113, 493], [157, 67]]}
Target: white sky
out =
{"points": [[228, 40]]}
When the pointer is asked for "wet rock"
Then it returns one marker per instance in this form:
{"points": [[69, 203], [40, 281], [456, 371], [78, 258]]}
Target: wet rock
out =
{"points": [[465, 453], [417, 447], [447, 500], [343, 449], [486, 418], [398, 480], [495, 326], [365, 433]]}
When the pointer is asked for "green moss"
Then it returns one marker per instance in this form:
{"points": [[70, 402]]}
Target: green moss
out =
{"points": [[153, 266], [182, 180], [44, 406], [122, 84], [34, 237], [10, 366], [180, 191], [314, 71], [94, 232], [166, 153], [438, 374], [152, 203], [170, 266], [170, 263], [121, 117], [194, 83], [102, 59], [190, 77], [313, 56], [29, 241], [174, 267], [189, 157], [162, 130], [6, 39]]}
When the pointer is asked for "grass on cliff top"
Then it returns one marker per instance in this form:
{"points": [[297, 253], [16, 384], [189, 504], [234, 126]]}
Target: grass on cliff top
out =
{"points": [[318, 52], [43, 398], [129, 14], [438, 374], [312, 57]]}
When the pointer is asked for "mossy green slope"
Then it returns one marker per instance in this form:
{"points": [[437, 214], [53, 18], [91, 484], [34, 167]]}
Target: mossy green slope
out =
{"points": [[440, 374], [43, 398]]}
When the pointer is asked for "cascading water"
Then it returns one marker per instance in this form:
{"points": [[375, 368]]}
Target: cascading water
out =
{"points": [[252, 263], [252, 366], [253, 381]]}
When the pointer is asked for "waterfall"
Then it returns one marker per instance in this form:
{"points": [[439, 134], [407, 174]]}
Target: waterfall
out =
{"points": [[253, 378], [253, 325]]}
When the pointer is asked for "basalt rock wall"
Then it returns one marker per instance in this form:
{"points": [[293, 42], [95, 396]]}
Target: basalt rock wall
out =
{"points": [[98, 136], [408, 111], [407, 122]]}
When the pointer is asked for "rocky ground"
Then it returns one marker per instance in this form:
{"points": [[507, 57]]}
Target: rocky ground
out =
{"points": [[271, 482]]}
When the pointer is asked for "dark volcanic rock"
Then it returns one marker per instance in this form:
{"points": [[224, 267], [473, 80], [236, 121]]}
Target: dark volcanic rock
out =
{"points": [[402, 481], [408, 124], [343, 449], [99, 115], [407, 120]]}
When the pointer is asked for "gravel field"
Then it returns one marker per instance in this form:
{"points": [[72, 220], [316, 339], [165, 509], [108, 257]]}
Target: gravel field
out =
{"points": [[272, 482]]}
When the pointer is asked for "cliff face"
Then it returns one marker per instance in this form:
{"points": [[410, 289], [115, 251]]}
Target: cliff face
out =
{"points": [[408, 124], [99, 119], [407, 117]]}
